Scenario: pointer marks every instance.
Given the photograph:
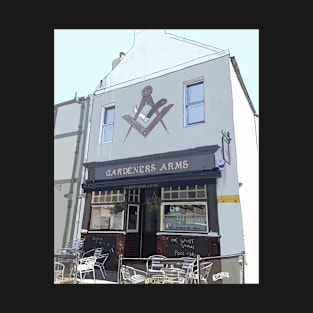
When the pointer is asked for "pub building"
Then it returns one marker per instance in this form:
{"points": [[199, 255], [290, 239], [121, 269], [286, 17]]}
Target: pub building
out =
{"points": [[139, 205], [161, 160]]}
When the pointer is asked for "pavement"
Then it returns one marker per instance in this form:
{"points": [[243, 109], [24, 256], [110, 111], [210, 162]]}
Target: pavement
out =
{"points": [[110, 278]]}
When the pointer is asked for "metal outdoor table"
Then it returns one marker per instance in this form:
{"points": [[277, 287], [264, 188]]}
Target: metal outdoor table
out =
{"points": [[70, 261]]}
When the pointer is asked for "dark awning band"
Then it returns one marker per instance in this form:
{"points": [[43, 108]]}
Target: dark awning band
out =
{"points": [[156, 181]]}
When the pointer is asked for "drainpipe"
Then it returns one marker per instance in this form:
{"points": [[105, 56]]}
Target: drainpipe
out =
{"points": [[67, 237], [80, 203]]}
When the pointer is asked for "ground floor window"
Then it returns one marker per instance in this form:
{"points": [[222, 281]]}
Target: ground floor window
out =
{"points": [[179, 209], [184, 217], [184, 209], [110, 211], [106, 217]]}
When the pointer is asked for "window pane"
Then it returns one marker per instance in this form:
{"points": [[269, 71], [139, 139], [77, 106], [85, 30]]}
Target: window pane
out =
{"points": [[201, 194], [174, 195], [183, 194], [184, 217], [103, 218], [109, 116], [107, 134], [121, 198], [117, 221], [195, 113], [195, 92], [166, 196], [191, 194], [133, 218]]}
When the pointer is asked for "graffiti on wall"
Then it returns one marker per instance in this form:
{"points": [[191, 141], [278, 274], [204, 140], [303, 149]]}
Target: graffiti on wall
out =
{"points": [[186, 247], [107, 243]]}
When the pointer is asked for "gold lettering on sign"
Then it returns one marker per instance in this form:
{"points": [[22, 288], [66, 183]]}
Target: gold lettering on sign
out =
{"points": [[148, 168], [178, 165]]}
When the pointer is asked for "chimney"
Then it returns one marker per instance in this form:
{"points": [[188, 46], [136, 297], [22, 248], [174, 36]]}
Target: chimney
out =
{"points": [[118, 60]]}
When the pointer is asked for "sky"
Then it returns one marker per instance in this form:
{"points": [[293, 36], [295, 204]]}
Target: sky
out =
{"points": [[82, 57]]}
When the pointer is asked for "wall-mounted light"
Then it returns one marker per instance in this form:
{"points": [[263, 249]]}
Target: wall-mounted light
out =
{"points": [[220, 163]]}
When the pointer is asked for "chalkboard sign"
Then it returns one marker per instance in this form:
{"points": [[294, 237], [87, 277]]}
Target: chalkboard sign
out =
{"points": [[187, 247], [107, 243]]}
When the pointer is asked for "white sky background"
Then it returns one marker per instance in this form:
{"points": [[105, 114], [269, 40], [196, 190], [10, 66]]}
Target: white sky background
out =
{"points": [[82, 57]]}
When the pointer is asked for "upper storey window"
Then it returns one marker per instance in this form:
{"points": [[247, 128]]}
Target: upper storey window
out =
{"points": [[194, 103], [107, 123]]}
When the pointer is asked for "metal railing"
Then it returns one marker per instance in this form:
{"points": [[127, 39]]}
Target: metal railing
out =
{"points": [[227, 269]]}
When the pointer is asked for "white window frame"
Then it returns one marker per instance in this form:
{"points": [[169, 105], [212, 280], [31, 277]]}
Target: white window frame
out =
{"points": [[187, 106], [133, 230], [180, 193], [108, 196], [134, 195], [103, 125]]}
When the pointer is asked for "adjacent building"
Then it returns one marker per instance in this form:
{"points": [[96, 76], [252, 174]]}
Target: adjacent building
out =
{"points": [[70, 130]]}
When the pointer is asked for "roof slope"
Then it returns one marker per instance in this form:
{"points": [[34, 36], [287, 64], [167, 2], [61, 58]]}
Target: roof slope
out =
{"points": [[154, 53]]}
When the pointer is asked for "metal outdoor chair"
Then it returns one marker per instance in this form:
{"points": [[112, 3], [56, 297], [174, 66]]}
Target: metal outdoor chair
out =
{"points": [[90, 252], [154, 263], [204, 269], [101, 259], [174, 275], [85, 266], [75, 246], [58, 272], [100, 263], [130, 275]]}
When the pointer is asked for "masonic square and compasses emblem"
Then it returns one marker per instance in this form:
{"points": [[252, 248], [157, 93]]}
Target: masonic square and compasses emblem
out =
{"points": [[153, 109]]}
